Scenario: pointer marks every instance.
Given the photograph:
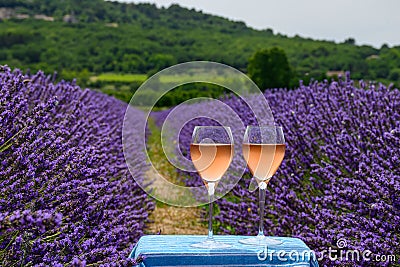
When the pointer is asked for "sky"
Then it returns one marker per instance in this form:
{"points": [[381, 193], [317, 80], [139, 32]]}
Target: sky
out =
{"points": [[371, 22]]}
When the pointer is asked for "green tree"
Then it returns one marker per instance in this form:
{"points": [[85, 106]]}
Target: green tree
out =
{"points": [[395, 75], [158, 62], [269, 68], [350, 41]]}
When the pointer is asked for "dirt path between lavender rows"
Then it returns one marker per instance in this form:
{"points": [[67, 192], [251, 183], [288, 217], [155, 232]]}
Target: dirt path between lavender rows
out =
{"points": [[170, 220]]}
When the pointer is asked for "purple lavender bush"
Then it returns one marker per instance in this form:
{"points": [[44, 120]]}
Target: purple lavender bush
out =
{"points": [[66, 195], [340, 178]]}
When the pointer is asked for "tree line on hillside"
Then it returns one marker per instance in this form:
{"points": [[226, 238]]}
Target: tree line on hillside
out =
{"points": [[130, 48], [141, 38]]}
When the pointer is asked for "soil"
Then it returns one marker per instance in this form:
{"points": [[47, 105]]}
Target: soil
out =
{"points": [[172, 220]]}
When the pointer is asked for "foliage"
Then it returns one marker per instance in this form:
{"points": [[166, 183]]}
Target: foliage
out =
{"points": [[190, 91], [66, 195], [340, 176], [269, 68], [141, 38]]}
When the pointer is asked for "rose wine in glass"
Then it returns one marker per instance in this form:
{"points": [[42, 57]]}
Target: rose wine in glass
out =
{"points": [[263, 150], [270, 156], [211, 152]]}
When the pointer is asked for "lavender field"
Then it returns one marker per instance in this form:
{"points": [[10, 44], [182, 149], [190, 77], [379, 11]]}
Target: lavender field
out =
{"points": [[66, 195], [340, 178], [68, 199]]}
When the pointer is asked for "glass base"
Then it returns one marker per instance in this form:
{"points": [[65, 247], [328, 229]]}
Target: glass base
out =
{"points": [[260, 241], [211, 244]]}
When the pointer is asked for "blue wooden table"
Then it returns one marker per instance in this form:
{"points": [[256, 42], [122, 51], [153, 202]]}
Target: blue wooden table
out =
{"points": [[175, 250]]}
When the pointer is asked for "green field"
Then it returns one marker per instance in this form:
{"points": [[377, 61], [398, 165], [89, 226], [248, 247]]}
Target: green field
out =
{"points": [[119, 78]]}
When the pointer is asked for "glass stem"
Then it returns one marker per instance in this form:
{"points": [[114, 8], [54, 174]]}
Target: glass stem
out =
{"points": [[211, 191], [210, 229], [261, 191]]}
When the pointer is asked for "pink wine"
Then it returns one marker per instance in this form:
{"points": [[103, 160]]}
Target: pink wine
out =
{"points": [[263, 160], [211, 160]]}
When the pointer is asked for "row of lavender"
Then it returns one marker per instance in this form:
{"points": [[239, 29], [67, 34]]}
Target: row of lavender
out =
{"points": [[66, 196], [341, 173]]}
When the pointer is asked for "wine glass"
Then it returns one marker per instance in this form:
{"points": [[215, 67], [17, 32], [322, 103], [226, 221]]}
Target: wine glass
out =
{"points": [[263, 150], [211, 152]]}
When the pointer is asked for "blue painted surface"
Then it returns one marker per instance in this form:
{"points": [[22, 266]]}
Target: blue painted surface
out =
{"points": [[175, 250]]}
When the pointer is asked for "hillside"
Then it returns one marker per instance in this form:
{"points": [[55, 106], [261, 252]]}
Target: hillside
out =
{"points": [[80, 38]]}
